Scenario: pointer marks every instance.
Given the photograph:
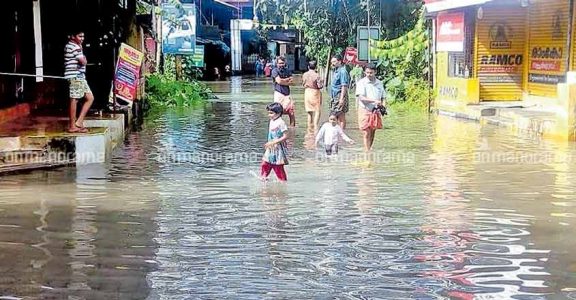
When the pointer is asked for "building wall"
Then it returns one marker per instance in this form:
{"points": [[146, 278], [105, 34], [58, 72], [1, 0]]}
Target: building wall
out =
{"points": [[455, 90], [454, 78]]}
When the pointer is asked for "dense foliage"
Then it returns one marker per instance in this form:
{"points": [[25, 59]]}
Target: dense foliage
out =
{"points": [[163, 90]]}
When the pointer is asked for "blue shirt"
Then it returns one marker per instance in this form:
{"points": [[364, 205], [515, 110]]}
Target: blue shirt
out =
{"points": [[340, 78]]}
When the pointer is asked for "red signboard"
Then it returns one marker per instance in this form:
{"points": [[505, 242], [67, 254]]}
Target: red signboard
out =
{"points": [[351, 56], [450, 32], [543, 65]]}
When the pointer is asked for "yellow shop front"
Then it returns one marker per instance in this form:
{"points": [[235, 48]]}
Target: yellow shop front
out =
{"points": [[548, 46], [514, 50], [454, 38], [500, 51], [506, 50]]}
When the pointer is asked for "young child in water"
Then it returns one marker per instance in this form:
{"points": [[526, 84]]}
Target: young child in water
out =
{"points": [[276, 154], [331, 133]]}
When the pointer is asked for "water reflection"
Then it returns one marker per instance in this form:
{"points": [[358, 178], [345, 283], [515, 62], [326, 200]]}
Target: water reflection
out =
{"points": [[67, 241], [367, 192]]}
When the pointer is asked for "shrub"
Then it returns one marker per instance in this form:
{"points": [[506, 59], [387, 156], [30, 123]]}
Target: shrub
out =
{"points": [[164, 91]]}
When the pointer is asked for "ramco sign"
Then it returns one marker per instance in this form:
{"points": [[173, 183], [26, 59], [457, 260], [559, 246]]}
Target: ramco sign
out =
{"points": [[502, 59]]}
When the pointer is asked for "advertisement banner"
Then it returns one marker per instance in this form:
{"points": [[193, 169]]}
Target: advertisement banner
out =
{"points": [[442, 5], [450, 32], [179, 29], [127, 72], [198, 57]]}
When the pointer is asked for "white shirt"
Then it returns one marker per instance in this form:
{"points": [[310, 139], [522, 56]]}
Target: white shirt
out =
{"points": [[276, 128], [371, 90], [331, 134]]}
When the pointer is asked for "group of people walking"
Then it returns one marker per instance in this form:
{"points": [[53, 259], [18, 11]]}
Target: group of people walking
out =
{"points": [[370, 100], [263, 67]]}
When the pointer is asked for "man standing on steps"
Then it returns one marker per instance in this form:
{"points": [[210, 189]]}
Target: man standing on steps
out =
{"points": [[282, 78], [75, 72], [339, 90]]}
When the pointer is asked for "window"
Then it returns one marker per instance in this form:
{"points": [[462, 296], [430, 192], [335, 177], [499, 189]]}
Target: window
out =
{"points": [[461, 64], [364, 42]]}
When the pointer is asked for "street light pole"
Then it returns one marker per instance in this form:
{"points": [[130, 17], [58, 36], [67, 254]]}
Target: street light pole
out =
{"points": [[255, 17], [369, 29]]}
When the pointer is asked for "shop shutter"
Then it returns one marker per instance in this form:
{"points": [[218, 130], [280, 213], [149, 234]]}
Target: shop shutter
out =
{"points": [[547, 51], [500, 53]]}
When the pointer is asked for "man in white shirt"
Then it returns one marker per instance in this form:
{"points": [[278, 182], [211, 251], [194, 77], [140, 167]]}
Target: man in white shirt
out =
{"points": [[370, 95]]}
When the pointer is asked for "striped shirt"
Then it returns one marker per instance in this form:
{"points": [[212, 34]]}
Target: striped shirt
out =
{"points": [[72, 66]]}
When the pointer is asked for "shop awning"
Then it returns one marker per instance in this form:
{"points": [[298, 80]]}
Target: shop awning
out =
{"points": [[433, 6], [226, 4]]}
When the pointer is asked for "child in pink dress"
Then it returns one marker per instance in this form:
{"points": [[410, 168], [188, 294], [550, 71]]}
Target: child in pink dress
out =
{"points": [[276, 154]]}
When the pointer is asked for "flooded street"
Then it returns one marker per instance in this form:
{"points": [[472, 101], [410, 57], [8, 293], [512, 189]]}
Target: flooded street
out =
{"points": [[445, 209]]}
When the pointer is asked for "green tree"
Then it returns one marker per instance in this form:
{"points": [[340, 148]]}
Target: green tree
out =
{"points": [[329, 26]]}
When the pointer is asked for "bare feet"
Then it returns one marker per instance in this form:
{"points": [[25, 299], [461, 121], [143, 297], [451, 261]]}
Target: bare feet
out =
{"points": [[76, 129]]}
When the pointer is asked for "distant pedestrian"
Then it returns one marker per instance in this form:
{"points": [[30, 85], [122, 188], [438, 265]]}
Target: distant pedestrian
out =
{"points": [[276, 154], [259, 67], [75, 72], [313, 85], [268, 69], [339, 90], [282, 78], [331, 133], [227, 71]]}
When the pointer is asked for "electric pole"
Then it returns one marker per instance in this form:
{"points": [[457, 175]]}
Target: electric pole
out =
{"points": [[369, 30]]}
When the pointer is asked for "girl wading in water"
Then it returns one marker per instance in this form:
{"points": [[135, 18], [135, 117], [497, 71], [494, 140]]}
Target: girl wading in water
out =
{"points": [[276, 154]]}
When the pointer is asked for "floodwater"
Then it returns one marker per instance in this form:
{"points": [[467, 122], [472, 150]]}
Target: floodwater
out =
{"points": [[444, 209]]}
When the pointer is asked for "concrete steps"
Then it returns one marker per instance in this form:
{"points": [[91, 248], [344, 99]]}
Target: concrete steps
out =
{"points": [[37, 142], [513, 115]]}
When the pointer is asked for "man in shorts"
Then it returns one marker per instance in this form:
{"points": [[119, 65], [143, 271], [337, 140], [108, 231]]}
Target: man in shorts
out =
{"points": [[75, 72], [339, 90], [370, 95], [282, 78]]}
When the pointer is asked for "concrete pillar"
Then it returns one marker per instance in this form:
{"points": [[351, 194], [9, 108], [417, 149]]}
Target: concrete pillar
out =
{"points": [[566, 112], [38, 40]]}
